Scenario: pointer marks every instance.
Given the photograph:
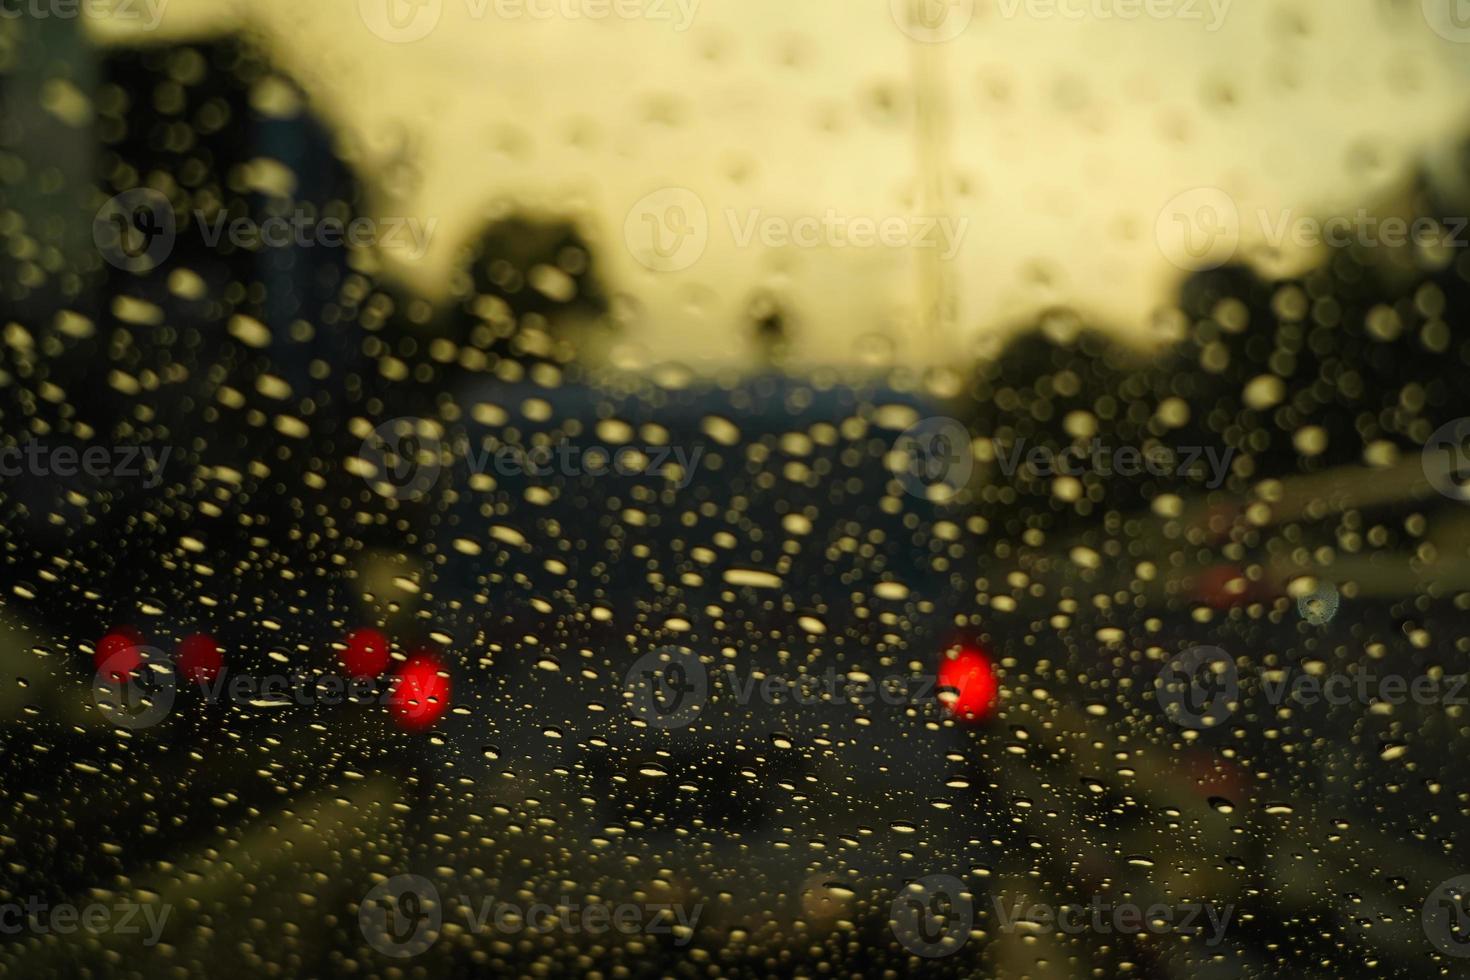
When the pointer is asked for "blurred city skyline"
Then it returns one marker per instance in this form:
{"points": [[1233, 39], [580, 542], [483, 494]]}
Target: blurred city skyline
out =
{"points": [[793, 164]]}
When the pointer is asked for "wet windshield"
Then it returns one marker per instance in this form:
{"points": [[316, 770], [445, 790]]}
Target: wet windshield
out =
{"points": [[641, 488]]}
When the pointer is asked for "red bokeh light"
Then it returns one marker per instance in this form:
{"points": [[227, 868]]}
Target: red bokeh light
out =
{"points": [[1214, 587], [968, 675], [117, 654], [420, 693], [200, 659], [366, 654]]}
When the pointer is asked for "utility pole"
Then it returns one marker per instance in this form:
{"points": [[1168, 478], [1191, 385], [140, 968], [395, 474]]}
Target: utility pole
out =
{"points": [[938, 300]]}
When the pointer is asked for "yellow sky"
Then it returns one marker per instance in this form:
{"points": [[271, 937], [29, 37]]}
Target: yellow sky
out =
{"points": [[1052, 137]]}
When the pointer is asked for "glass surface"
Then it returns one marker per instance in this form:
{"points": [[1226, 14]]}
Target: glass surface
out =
{"points": [[824, 488]]}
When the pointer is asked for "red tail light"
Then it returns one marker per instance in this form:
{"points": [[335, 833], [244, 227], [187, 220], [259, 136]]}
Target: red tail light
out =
{"points": [[200, 659], [421, 692], [366, 653], [968, 683]]}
